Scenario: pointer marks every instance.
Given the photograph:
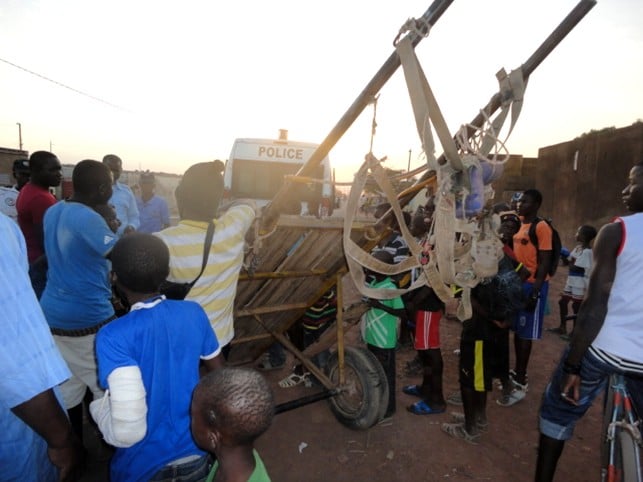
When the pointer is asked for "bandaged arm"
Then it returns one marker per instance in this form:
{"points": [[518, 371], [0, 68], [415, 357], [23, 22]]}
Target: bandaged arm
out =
{"points": [[121, 414]]}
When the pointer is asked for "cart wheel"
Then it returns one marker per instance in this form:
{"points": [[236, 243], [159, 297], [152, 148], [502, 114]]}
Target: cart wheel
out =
{"points": [[364, 399]]}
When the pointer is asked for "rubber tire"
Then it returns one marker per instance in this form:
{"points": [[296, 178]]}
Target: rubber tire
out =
{"points": [[627, 447], [365, 399]]}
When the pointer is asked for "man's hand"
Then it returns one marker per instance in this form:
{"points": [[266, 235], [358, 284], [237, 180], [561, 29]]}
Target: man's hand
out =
{"points": [[68, 458], [570, 390]]}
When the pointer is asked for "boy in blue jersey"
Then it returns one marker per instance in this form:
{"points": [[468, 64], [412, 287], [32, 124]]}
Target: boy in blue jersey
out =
{"points": [[149, 362]]}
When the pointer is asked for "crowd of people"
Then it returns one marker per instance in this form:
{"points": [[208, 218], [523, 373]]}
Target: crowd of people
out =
{"points": [[88, 326], [153, 377]]}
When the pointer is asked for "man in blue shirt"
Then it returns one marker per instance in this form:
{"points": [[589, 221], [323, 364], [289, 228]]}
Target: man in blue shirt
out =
{"points": [[122, 197], [152, 209], [77, 297], [36, 439]]}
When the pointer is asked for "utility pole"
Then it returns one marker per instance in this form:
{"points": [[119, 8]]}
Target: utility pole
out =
{"points": [[19, 135], [408, 166], [50, 146]]}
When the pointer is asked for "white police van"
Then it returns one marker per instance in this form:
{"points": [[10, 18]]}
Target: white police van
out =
{"points": [[256, 170]]}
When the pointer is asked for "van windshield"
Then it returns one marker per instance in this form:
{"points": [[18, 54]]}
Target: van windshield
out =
{"points": [[262, 180]]}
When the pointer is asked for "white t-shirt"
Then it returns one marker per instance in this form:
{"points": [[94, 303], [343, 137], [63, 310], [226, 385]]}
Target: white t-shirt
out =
{"points": [[8, 196]]}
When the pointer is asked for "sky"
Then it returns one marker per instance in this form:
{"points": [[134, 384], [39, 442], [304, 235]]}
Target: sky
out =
{"points": [[171, 83]]}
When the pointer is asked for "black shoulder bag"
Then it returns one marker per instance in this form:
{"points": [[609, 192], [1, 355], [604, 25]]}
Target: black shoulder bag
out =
{"points": [[178, 291]]}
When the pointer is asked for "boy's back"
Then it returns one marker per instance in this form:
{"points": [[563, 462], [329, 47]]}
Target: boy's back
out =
{"points": [[165, 339]]}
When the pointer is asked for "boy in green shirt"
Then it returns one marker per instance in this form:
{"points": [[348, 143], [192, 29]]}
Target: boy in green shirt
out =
{"points": [[381, 326], [231, 407]]}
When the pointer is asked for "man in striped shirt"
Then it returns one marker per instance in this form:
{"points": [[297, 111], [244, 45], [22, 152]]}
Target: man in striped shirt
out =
{"points": [[198, 196]]}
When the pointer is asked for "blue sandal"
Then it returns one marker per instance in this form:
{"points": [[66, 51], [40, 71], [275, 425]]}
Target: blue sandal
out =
{"points": [[412, 390], [423, 408]]}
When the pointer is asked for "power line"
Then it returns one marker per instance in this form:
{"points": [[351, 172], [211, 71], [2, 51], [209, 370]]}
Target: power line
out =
{"points": [[60, 84]]}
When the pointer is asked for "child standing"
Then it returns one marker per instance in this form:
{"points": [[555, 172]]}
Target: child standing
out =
{"points": [[381, 326], [425, 309], [484, 344], [580, 265], [149, 362], [230, 409]]}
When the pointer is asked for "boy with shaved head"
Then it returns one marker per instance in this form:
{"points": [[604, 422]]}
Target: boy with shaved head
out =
{"points": [[231, 408]]}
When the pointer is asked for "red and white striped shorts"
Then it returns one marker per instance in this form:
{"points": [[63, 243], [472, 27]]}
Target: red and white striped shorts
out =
{"points": [[427, 329]]}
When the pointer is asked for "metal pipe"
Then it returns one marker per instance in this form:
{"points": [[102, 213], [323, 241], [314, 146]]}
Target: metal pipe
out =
{"points": [[434, 12], [307, 400], [549, 44]]}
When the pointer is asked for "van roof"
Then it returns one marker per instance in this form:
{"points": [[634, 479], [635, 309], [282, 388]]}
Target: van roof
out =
{"points": [[250, 140]]}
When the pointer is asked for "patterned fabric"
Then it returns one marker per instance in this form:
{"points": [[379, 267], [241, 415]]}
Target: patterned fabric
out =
{"points": [[380, 327], [29, 359], [8, 198], [322, 312], [216, 288]]}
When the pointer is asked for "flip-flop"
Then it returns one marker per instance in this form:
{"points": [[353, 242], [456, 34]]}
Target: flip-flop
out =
{"points": [[412, 390], [423, 408]]}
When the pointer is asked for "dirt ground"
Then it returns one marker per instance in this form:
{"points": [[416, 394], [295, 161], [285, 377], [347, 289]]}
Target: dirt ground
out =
{"points": [[309, 444]]}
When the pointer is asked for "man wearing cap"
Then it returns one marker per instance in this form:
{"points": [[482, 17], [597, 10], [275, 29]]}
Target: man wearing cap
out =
{"points": [[34, 200], [9, 195], [122, 199], [152, 209]]}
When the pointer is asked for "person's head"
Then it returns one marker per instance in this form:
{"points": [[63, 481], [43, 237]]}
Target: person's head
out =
{"points": [[529, 203], [147, 183], [633, 192], [140, 263], [21, 172], [108, 213], [115, 165], [92, 182], [45, 169], [383, 256], [199, 191], [509, 225], [420, 222], [231, 407], [586, 234]]}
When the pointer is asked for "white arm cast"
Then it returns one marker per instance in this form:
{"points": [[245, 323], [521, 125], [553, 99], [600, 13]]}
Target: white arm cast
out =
{"points": [[121, 414]]}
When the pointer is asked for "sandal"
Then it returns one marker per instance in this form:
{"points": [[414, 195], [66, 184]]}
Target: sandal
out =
{"points": [[457, 430], [423, 408], [458, 417], [414, 390], [293, 380], [455, 399]]}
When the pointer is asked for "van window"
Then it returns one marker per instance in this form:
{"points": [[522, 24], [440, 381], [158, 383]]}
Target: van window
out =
{"points": [[262, 180]]}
